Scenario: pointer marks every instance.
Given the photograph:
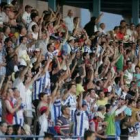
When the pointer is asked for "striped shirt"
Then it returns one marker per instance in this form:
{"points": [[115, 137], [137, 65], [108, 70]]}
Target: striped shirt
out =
{"points": [[71, 101], [81, 122], [57, 109], [40, 85], [2, 69], [64, 124]]}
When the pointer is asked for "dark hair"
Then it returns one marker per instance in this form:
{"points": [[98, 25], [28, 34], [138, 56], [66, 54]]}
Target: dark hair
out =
{"points": [[20, 28], [117, 80], [89, 90], [78, 80], [92, 19], [107, 106], [2, 123], [21, 38], [84, 54], [48, 135], [116, 27], [85, 94], [63, 108], [88, 133], [33, 16], [33, 27], [49, 45], [122, 21], [130, 101], [7, 40], [128, 61], [41, 95], [70, 86], [16, 128], [5, 28]]}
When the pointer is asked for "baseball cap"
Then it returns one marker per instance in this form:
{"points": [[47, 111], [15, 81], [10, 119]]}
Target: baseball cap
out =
{"points": [[71, 38], [99, 114]]}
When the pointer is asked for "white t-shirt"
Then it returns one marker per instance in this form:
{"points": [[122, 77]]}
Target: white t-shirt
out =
{"points": [[69, 23], [43, 121], [30, 26], [5, 18], [35, 35], [28, 103], [20, 86], [26, 17]]}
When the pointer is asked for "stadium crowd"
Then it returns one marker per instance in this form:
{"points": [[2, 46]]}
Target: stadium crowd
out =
{"points": [[58, 77]]}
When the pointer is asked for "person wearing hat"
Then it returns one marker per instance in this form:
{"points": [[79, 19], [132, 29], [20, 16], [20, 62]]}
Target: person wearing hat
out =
{"points": [[26, 17], [69, 46], [97, 124]]}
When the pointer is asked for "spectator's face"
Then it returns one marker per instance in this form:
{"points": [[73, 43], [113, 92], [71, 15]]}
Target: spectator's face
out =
{"points": [[133, 104], [137, 70], [36, 19], [10, 130], [23, 31], [122, 30], [10, 50], [117, 30], [16, 93], [70, 13], [9, 43], [132, 27], [102, 95], [123, 24], [129, 65], [88, 98], [24, 40], [29, 74], [11, 15], [8, 31], [51, 49], [4, 128], [7, 10], [45, 98], [103, 26], [67, 111], [10, 93], [89, 42], [126, 88], [92, 94], [29, 10], [73, 89]]}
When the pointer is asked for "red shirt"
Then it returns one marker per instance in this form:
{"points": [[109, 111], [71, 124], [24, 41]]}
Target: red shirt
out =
{"points": [[9, 116], [120, 36]]}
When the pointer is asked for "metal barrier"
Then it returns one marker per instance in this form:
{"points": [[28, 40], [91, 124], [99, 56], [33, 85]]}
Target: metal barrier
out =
{"points": [[56, 137]]}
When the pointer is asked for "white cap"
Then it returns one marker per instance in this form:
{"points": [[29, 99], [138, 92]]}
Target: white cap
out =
{"points": [[71, 38]]}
